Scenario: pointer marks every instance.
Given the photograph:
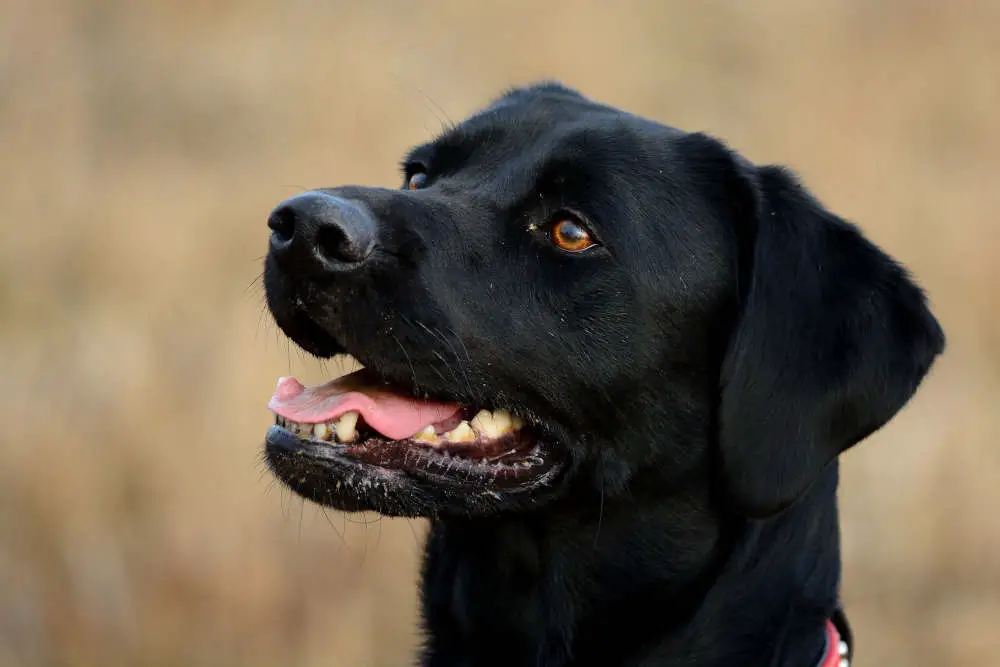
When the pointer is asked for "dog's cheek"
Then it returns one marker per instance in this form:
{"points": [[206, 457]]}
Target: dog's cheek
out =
{"points": [[611, 473]]}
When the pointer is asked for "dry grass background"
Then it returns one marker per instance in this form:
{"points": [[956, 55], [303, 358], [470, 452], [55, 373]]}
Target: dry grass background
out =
{"points": [[142, 146]]}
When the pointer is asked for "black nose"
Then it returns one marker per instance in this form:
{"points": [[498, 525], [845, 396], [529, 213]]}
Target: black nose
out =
{"points": [[316, 232]]}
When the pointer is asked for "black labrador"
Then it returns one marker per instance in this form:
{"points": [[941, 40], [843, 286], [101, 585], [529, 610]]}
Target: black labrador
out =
{"points": [[614, 363]]}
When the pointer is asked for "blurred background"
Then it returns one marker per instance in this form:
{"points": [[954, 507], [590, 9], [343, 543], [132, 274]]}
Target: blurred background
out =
{"points": [[141, 148]]}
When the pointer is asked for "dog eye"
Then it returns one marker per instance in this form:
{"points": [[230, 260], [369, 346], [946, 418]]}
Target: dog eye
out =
{"points": [[416, 180], [569, 235]]}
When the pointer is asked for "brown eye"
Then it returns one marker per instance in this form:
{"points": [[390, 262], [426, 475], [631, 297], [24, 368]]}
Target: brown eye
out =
{"points": [[416, 180], [570, 236]]}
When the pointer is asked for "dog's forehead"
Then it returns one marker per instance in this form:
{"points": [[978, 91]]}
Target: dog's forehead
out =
{"points": [[529, 129], [513, 126], [540, 103]]}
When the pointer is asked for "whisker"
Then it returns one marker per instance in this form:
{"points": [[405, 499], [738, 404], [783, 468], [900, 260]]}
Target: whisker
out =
{"points": [[406, 354], [260, 319], [600, 514], [343, 540], [416, 540], [255, 283], [466, 365], [444, 362], [465, 374], [438, 111]]}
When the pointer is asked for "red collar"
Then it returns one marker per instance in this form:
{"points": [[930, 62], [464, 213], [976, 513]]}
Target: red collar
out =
{"points": [[837, 651]]}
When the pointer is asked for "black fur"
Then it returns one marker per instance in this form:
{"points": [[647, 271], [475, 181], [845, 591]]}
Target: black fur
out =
{"points": [[697, 374]]}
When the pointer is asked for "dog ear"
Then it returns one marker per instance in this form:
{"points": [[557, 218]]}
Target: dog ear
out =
{"points": [[832, 339]]}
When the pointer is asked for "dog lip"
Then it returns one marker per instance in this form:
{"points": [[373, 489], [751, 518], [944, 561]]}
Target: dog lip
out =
{"points": [[280, 438], [527, 465]]}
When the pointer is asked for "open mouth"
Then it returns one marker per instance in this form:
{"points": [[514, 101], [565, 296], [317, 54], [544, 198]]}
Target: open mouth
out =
{"points": [[357, 418]]}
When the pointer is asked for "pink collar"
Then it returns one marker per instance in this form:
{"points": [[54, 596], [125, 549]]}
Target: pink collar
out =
{"points": [[837, 650]]}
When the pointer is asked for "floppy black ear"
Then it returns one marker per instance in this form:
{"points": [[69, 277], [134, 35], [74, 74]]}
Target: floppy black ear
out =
{"points": [[832, 339]]}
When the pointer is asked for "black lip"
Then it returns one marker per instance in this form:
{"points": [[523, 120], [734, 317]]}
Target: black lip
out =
{"points": [[281, 443], [282, 439]]}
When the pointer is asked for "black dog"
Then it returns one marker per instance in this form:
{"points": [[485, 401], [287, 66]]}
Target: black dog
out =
{"points": [[615, 364]]}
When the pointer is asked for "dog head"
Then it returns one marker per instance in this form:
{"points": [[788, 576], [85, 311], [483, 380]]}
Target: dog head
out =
{"points": [[562, 294]]}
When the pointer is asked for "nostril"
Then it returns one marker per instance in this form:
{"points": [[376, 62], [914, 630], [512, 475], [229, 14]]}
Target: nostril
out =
{"points": [[282, 224], [336, 246]]}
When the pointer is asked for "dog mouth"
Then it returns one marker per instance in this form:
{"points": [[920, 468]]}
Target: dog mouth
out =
{"points": [[358, 419]]}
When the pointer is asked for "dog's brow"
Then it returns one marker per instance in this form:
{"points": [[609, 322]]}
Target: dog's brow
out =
{"points": [[422, 154]]}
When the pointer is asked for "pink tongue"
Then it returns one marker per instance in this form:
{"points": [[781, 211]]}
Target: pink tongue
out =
{"points": [[392, 415]]}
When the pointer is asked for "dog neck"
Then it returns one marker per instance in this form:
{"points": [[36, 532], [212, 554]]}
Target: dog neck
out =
{"points": [[552, 588]]}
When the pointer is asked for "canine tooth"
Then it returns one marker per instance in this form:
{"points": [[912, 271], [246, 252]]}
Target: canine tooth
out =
{"points": [[486, 424], [516, 423], [320, 431], [427, 435], [461, 433], [345, 426]]}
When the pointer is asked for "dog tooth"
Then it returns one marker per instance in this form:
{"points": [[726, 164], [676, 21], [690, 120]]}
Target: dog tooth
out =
{"points": [[503, 421], [426, 435], [346, 426], [516, 423], [461, 433], [320, 431], [485, 424]]}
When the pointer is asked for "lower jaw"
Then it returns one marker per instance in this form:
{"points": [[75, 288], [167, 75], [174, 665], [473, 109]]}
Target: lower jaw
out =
{"points": [[389, 475]]}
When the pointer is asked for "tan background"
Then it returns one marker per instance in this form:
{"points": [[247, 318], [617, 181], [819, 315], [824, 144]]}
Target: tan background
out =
{"points": [[141, 147]]}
